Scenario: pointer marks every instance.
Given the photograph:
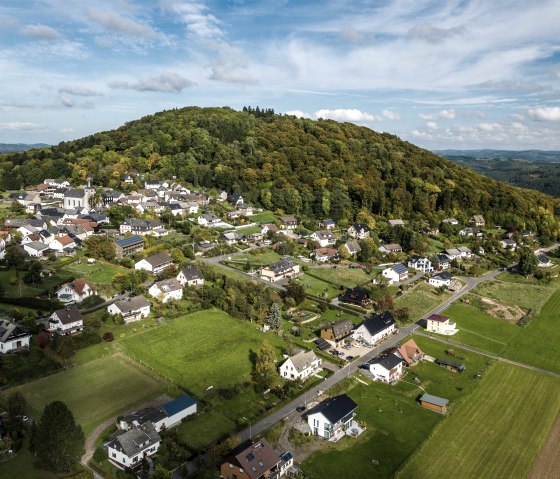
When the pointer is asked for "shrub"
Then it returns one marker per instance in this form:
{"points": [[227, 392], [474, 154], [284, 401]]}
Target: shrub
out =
{"points": [[108, 336]]}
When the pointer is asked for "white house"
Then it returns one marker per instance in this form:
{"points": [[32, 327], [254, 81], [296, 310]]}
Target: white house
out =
{"points": [[544, 261], [323, 238], [13, 337], [74, 198], [300, 366], [390, 248], [359, 231], [75, 291], [35, 248], [420, 263], [376, 328], [208, 219], [387, 368], [440, 325], [131, 309], [396, 273], [62, 243], [284, 269], [129, 449], [191, 276], [66, 321], [166, 290], [155, 263], [353, 247], [440, 280], [332, 416]]}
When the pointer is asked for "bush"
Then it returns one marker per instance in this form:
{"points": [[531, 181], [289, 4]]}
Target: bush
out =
{"points": [[109, 336], [99, 455]]}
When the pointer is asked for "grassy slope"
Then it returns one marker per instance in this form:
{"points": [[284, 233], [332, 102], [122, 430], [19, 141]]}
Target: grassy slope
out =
{"points": [[419, 300], [346, 277], [526, 296], [94, 391], [495, 433]]}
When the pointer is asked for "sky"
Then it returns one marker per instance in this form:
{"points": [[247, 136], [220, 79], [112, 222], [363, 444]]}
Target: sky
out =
{"points": [[459, 74]]}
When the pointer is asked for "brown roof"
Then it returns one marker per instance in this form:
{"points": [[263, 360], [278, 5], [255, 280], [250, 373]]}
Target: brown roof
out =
{"points": [[438, 318], [326, 251], [78, 285], [409, 351], [65, 240], [257, 459], [158, 259], [341, 328]]}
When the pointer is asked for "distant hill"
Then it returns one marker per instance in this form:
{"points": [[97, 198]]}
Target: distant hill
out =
{"points": [[15, 147], [535, 169], [310, 168]]}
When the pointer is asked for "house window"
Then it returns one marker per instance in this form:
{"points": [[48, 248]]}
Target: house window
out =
{"points": [[114, 454], [135, 459]]}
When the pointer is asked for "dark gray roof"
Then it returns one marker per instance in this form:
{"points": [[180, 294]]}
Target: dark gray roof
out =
{"points": [[132, 304], [360, 227], [281, 266], [399, 268], [341, 328], [68, 315], [147, 414], [379, 322], [131, 240], [335, 408], [388, 361], [135, 440], [11, 330], [74, 193], [159, 259], [192, 273], [443, 276], [434, 400]]}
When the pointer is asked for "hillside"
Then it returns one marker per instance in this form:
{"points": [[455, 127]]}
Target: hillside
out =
{"points": [[304, 167], [13, 147]]}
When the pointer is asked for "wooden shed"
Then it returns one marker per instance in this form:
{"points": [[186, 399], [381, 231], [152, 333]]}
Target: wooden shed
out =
{"points": [[434, 403], [454, 366]]}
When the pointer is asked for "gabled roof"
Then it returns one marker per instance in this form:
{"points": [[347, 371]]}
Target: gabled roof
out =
{"points": [[10, 329], [389, 361], [438, 318], [257, 459], [192, 272], [392, 247], [355, 295], [158, 259], [341, 328], [353, 246], [434, 400], [180, 404], [442, 276], [303, 360], [409, 350], [37, 245], [284, 264], [68, 315], [335, 408], [129, 241], [169, 285], [129, 305], [288, 219], [74, 193], [136, 440], [379, 322], [399, 268], [78, 285], [360, 227]]}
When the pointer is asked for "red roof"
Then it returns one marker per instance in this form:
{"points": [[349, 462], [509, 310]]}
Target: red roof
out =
{"points": [[438, 318], [65, 240], [79, 284]]}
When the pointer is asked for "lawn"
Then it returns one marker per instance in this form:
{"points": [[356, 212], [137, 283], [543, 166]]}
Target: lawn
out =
{"points": [[99, 273], [249, 230], [94, 391], [204, 429], [318, 287], [262, 256], [347, 277], [496, 432], [526, 296], [48, 284], [538, 343], [264, 217], [420, 299], [480, 330]]}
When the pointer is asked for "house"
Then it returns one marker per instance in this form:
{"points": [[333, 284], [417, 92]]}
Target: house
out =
{"points": [[66, 321], [396, 273], [375, 328], [35, 248], [300, 366], [410, 353], [269, 227], [323, 255], [391, 248], [440, 280], [222, 196], [420, 263], [452, 253], [155, 263], [323, 238], [332, 416], [288, 222], [357, 296], [387, 368], [468, 231], [231, 237], [152, 184], [129, 246], [191, 276], [13, 337], [508, 244], [131, 447], [255, 461], [337, 330], [127, 179], [358, 231], [245, 210], [235, 199], [465, 252], [286, 268], [440, 325], [208, 219], [451, 221], [455, 366], [397, 222], [75, 291], [142, 227], [327, 224], [477, 220], [166, 290], [434, 403], [441, 261], [353, 247], [131, 309], [544, 262], [63, 243]]}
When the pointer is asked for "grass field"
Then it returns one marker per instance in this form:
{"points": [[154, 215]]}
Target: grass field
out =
{"points": [[538, 343], [346, 277], [264, 217], [526, 296], [480, 330], [94, 391], [49, 284], [318, 287], [420, 299], [99, 273], [264, 256], [495, 433]]}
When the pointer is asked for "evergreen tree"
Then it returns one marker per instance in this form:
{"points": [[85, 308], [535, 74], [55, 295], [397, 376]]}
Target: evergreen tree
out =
{"points": [[58, 440], [17, 404], [274, 318]]}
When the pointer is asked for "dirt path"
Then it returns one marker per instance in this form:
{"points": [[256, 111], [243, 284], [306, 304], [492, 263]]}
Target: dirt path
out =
{"points": [[547, 464], [89, 446]]}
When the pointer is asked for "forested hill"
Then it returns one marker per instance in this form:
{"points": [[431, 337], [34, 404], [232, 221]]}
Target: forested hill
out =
{"points": [[304, 167]]}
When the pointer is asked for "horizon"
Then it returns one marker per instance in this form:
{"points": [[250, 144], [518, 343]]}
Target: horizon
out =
{"points": [[441, 75]]}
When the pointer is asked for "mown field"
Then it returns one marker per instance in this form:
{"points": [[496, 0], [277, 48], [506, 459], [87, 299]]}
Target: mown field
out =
{"points": [[94, 391], [318, 287], [420, 300], [494, 433], [99, 273], [347, 277]]}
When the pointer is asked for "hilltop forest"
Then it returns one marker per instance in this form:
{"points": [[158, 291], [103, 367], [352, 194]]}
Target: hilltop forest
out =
{"points": [[300, 166]]}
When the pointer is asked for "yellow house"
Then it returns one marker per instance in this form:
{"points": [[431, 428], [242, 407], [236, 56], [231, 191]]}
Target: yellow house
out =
{"points": [[440, 325]]}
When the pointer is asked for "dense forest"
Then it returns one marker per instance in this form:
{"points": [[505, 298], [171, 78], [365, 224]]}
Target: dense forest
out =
{"points": [[300, 166]]}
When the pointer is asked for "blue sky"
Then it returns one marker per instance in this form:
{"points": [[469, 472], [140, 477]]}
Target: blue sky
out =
{"points": [[453, 74]]}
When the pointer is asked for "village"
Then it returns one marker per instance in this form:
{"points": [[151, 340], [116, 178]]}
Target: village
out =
{"points": [[350, 302]]}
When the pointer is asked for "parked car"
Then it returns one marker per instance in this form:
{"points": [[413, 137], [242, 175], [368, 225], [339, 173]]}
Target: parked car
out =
{"points": [[301, 408], [349, 358]]}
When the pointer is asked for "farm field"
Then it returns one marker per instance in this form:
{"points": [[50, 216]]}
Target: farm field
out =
{"points": [[480, 330], [94, 391], [526, 296], [547, 464], [347, 277], [420, 300], [538, 344], [496, 432]]}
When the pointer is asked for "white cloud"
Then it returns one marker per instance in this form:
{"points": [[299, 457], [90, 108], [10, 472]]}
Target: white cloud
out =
{"points": [[390, 115], [489, 127], [431, 34], [230, 73], [298, 113], [115, 22], [167, 82], [545, 113], [41, 32], [78, 91], [345, 114], [196, 18], [20, 126], [445, 114], [432, 125]]}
